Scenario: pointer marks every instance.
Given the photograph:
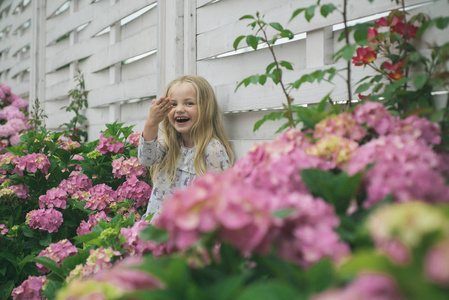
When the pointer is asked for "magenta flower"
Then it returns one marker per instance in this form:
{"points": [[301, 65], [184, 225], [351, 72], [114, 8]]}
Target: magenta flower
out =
{"points": [[109, 144], [99, 259], [31, 163], [7, 130], [86, 227], [20, 103], [134, 138], [19, 190], [134, 189], [57, 252], [68, 144], [30, 289], [128, 167], [55, 197], [419, 128], [12, 112], [44, 219]]}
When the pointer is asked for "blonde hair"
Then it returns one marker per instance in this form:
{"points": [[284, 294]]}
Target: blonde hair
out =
{"points": [[208, 126]]}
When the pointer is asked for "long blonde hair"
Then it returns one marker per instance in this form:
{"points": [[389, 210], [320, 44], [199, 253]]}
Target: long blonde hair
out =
{"points": [[209, 126]]}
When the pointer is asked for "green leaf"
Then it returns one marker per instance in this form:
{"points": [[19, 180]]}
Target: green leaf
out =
{"points": [[51, 265], [87, 237], [276, 26], [51, 288], [252, 41], [286, 65], [336, 189], [297, 12], [368, 260], [226, 288], [270, 67], [310, 12], [326, 9], [247, 17], [419, 81], [271, 116], [283, 213], [268, 290], [154, 234], [237, 41], [363, 87]]}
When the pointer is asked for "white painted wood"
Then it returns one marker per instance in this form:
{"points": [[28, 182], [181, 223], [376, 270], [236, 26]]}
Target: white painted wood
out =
{"points": [[319, 47]]}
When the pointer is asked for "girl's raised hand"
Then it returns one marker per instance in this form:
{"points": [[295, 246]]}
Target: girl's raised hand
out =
{"points": [[159, 110]]}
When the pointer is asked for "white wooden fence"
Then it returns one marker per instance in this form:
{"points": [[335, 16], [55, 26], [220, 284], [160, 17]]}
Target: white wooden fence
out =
{"points": [[129, 50]]}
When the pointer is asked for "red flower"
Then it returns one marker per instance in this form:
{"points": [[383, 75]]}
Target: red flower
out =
{"points": [[365, 55], [361, 97], [373, 36], [382, 22], [397, 71], [400, 28]]}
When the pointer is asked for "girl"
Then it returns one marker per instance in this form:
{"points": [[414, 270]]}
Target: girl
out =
{"points": [[193, 139]]}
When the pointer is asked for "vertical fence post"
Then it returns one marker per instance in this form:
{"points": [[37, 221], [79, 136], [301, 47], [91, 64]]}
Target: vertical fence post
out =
{"points": [[37, 48], [170, 51], [190, 37]]}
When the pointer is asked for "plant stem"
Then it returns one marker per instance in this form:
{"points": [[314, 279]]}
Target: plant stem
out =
{"points": [[348, 79], [288, 107]]}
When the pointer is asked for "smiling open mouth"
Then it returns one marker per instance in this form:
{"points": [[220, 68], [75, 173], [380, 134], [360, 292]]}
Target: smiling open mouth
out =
{"points": [[182, 119]]}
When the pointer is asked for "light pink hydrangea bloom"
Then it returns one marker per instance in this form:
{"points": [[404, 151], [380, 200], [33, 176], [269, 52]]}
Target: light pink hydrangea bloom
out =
{"points": [[75, 183], [109, 144], [86, 227], [129, 167], [31, 163], [12, 112], [136, 190], [134, 245], [20, 190], [342, 125], [55, 197], [68, 144], [101, 196], [30, 289], [134, 138], [419, 128], [44, 219], [99, 259], [57, 252], [437, 264], [376, 116], [3, 229]]}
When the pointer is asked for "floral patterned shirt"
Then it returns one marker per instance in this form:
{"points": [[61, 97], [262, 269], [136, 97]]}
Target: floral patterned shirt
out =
{"points": [[152, 152]]}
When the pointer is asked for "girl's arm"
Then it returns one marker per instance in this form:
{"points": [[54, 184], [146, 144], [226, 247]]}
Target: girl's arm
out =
{"points": [[151, 151], [217, 158]]}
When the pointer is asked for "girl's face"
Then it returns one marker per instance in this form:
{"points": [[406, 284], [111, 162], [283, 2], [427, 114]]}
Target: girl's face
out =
{"points": [[184, 113]]}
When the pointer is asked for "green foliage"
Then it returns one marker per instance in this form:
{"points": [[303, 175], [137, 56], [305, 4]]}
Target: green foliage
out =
{"points": [[78, 102]]}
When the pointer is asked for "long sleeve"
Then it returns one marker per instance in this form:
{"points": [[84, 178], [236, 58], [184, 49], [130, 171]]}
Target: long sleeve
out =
{"points": [[217, 158], [150, 152]]}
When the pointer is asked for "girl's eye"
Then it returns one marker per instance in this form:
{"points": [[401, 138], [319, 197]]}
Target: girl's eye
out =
{"points": [[190, 103], [173, 104]]}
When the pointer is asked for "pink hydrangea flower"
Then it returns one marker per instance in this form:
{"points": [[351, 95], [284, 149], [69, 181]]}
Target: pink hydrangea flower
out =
{"points": [[55, 197], [14, 139], [136, 190], [333, 149], [5, 88], [134, 138], [367, 286], [19, 190], [44, 219], [17, 124], [342, 125], [12, 112], [437, 264], [404, 167], [101, 196], [32, 289], [20, 103], [376, 116], [31, 163], [76, 182], [134, 245], [99, 259], [57, 252], [68, 144], [419, 128], [128, 167], [7, 130], [109, 144], [3, 229], [86, 227]]}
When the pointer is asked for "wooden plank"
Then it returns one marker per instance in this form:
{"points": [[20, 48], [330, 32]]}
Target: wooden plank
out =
{"points": [[217, 37], [20, 67], [53, 5], [137, 44], [4, 4], [131, 89]]}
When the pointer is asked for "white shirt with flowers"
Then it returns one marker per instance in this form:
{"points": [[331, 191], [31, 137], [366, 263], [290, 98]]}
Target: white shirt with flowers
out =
{"points": [[152, 152]]}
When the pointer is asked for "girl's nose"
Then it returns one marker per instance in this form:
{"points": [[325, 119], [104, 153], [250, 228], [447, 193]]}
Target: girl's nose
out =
{"points": [[180, 107]]}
